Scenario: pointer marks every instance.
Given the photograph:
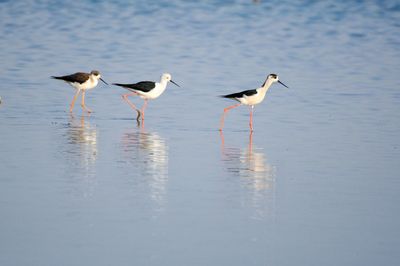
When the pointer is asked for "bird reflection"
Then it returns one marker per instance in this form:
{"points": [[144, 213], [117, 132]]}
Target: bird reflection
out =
{"points": [[81, 134], [256, 175], [81, 153], [149, 153]]}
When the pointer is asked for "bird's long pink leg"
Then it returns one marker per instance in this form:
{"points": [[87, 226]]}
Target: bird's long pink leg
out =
{"points": [[224, 114], [251, 118], [125, 97], [144, 108], [83, 103], [73, 100], [251, 142], [222, 139]]}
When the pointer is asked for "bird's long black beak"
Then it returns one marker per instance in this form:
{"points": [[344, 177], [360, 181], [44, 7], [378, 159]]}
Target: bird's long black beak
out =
{"points": [[283, 84], [103, 81], [175, 83]]}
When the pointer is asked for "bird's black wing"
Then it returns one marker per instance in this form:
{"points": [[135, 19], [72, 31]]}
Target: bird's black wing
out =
{"points": [[240, 94], [143, 86], [78, 77]]}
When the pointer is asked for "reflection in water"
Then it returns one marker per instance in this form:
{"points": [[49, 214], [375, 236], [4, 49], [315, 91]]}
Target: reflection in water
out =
{"points": [[256, 175], [84, 140], [81, 152], [149, 153]]}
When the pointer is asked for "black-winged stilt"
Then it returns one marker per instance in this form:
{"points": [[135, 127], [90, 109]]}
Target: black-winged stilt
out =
{"points": [[250, 97], [147, 90], [81, 82]]}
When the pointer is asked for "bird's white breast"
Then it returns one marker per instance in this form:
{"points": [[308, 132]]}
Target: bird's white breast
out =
{"points": [[253, 99], [87, 85], [154, 93]]}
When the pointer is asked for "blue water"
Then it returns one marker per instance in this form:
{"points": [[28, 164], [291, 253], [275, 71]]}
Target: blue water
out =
{"points": [[317, 183]]}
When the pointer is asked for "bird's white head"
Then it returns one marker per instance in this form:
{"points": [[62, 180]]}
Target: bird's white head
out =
{"points": [[167, 77], [272, 78], [96, 74]]}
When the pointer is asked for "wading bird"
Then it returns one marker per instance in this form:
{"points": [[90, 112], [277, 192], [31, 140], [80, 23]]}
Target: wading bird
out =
{"points": [[147, 90], [250, 97], [81, 82]]}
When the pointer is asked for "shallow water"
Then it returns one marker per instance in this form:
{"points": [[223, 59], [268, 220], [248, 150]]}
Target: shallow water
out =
{"points": [[315, 184]]}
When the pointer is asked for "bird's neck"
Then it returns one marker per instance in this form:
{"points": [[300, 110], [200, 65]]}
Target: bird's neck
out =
{"points": [[163, 82], [161, 86], [266, 85]]}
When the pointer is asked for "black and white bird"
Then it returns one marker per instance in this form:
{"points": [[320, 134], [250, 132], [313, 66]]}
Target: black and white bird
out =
{"points": [[250, 97], [147, 90], [81, 82]]}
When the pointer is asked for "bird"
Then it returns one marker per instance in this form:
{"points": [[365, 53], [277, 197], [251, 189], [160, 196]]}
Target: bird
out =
{"points": [[81, 81], [250, 98], [147, 90]]}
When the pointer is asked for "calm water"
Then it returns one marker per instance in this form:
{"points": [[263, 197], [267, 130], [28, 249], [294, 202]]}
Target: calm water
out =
{"points": [[317, 183]]}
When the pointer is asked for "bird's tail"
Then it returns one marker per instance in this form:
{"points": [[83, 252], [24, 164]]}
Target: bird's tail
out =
{"points": [[119, 84], [125, 86], [228, 96]]}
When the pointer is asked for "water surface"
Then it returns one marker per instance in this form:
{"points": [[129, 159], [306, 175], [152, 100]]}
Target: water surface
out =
{"points": [[315, 184]]}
